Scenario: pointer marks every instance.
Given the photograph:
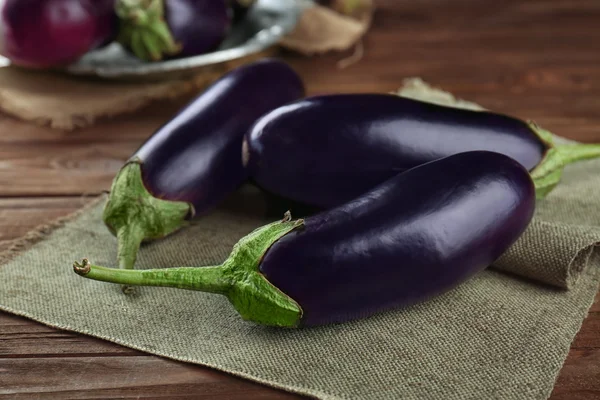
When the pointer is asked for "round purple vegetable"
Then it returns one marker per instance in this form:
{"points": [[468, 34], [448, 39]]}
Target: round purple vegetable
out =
{"points": [[193, 161], [413, 237], [54, 33], [326, 150], [157, 29]]}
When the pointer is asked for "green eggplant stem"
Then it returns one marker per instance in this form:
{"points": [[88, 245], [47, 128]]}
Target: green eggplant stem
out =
{"points": [[135, 216], [205, 279], [238, 278], [144, 29], [129, 238], [570, 153], [547, 174]]}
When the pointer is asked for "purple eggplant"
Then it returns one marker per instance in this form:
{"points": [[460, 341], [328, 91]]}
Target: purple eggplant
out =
{"points": [[157, 29], [415, 236], [193, 161], [326, 150], [54, 33]]}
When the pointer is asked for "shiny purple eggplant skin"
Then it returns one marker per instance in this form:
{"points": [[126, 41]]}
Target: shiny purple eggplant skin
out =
{"points": [[49, 33], [198, 25], [415, 236], [195, 157], [327, 150]]}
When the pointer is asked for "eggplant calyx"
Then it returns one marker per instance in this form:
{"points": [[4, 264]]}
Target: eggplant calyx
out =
{"points": [[144, 29], [238, 278], [134, 215], [252, 295], [547, 174]]}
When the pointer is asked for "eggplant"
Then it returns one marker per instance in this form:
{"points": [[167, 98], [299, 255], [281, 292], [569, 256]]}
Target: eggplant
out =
{"points": [[415, 236], [326, 150], [157, 29], [193, 161], [54, 33]]}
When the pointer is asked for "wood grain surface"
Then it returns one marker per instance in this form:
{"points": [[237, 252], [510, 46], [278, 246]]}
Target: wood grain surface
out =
{"points": [[538, 60]]}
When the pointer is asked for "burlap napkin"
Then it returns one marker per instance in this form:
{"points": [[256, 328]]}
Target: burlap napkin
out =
{"points": [[65, 102], [497, 336]]}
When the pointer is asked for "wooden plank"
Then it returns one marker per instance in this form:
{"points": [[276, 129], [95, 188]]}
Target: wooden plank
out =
{"points": [[123, 377], [588, 336], [580, 377], [596, 306], [66, 169], [23, 338], [21, 215], [37, 161]]}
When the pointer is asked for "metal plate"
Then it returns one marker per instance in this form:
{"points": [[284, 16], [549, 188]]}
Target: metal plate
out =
{"points": [[264, 25]]}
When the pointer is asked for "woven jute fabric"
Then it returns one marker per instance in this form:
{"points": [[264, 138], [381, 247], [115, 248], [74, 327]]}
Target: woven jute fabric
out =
{"points": [[496, 336]]}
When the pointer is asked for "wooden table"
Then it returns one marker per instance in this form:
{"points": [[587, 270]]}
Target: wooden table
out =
{"points": [[534, 59]]}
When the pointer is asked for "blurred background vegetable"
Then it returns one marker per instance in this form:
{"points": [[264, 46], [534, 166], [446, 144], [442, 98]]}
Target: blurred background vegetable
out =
{"points": [[158, 29], [50, 33]]}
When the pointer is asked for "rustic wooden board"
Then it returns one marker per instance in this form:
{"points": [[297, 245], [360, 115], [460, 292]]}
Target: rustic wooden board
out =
{"points": [[119, 376], [536, 60]]}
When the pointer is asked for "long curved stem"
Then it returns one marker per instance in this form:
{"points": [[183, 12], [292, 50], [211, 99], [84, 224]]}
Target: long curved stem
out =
{"points": [[239, 277], [570, 153], [129, 238], [205, 279], [547, 174]]}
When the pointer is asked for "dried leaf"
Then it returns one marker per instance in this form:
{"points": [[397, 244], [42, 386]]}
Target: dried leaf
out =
{"points": [[322, 29]]}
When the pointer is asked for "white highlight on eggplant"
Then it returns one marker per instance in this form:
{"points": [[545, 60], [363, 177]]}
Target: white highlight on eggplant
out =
{"points": [[245, 152], [265, 120]]}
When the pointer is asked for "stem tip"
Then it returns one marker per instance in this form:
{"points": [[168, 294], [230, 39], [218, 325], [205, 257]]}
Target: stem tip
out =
{"points": [[82, 268], [287, 217]]}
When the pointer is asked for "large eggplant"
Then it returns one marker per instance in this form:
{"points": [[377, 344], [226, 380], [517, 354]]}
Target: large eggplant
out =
{"points": [[413, 237], [193, 161], [326, 150], [157, 29], [54, 33]]}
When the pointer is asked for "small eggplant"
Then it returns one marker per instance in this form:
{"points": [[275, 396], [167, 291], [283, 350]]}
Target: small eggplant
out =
{"points": [[413, 237], [193, 161], [54, 33], [157, 29], [326, 150]]}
